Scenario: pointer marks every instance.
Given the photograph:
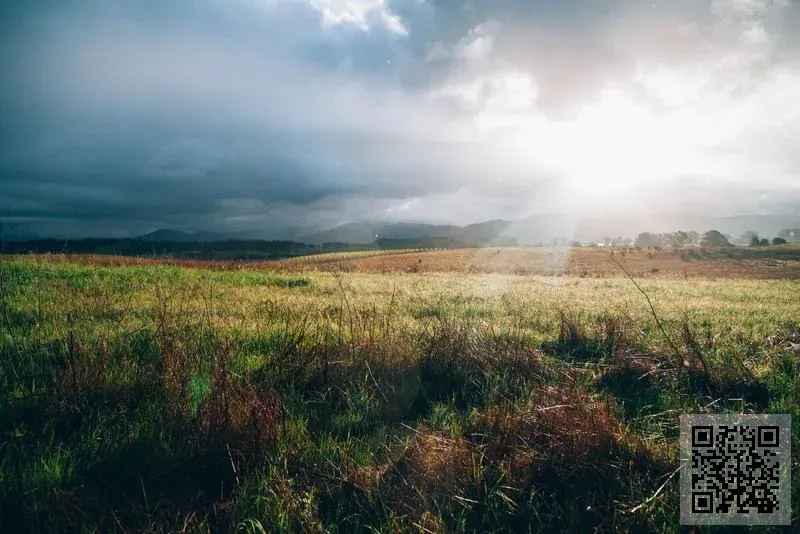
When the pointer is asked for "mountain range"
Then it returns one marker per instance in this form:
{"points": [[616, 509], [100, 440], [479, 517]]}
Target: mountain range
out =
{"points": [[530, 230]]}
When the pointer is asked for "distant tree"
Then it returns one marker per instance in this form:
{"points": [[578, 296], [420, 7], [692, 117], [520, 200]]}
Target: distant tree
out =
{"points": [[714, 238], [678, 239], [647, 240], [779, 241], [763, 242], [623, 242], [694, 238], [755, 240]]}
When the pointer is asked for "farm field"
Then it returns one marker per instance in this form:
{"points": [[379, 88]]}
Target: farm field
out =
{"points": [[689, 262], [438, 391]]}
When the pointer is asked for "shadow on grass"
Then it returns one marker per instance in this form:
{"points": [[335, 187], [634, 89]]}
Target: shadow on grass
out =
{"points": [[137, 485], [727, 388], [636, 390], [574, 343], [145, 472]]}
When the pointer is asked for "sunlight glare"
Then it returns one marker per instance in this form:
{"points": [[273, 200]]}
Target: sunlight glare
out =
{"points": [[611, 146]]}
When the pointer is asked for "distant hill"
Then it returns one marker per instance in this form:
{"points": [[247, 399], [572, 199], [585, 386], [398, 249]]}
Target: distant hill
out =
{"points": [[546, 228], [417, 230], [356, 233], [536, 229]]}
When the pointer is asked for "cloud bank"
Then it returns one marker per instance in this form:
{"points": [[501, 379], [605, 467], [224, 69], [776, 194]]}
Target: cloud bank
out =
{"points": [[121, 117]]}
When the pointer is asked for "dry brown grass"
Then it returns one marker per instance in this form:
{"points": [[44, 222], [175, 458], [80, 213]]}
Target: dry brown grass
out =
{"points": [[562, 436], [431, 468], [561, 428], [241, 414], [583, 262]]}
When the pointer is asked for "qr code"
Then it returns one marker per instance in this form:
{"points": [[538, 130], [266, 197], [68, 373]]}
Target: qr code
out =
{"points": [[735, 469]]}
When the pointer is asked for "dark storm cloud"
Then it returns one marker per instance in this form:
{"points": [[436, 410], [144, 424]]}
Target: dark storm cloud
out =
{"points": [[210, 113], [122, 102]]}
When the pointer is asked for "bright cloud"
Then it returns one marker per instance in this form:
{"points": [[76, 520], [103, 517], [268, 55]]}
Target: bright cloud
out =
{"points": [[359, 13]]}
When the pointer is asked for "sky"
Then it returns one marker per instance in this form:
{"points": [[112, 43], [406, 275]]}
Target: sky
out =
{"points": [[122, 117]]}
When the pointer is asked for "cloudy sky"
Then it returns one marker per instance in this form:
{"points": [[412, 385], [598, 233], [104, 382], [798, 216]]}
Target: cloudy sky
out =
{"points": [[120, 117]]}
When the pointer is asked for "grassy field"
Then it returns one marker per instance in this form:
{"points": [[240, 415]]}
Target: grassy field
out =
{"points": [[425, 391], [774, 262]]}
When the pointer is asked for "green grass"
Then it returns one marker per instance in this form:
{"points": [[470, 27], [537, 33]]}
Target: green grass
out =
{"points": [[161, 398]]}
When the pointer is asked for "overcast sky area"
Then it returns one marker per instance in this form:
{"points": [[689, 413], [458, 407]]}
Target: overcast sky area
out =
{"points": [[118, 118]]}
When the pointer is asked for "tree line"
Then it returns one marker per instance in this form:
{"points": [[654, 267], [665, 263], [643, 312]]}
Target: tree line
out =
{"points": [[712, 238]]}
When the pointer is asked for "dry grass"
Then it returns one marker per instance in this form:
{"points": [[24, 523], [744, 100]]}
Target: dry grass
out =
{"points": [[587, 262], [563, 427], [431, 468]]}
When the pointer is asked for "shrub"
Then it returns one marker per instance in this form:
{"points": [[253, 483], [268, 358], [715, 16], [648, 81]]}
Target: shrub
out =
{"points": [[714, 238]]}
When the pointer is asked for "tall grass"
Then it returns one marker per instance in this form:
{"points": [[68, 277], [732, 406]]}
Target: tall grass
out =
{"points": [[152, 398]]}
